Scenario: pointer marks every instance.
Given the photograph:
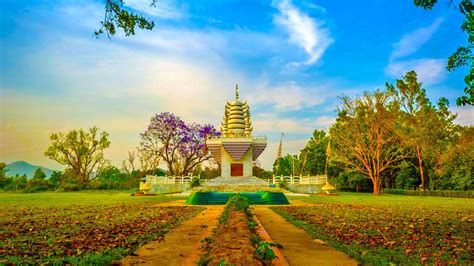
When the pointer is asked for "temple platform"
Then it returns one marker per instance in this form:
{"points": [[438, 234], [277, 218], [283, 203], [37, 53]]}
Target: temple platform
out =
{"points": [[237, 184], [254, 198]]}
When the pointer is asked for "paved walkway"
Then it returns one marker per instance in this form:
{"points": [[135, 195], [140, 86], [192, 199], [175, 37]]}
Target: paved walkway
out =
{"points": [[179, 243], [298, 246]]}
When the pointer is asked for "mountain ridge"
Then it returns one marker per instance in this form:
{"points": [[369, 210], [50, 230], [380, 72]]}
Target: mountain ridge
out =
{"points": [[22, 167]]}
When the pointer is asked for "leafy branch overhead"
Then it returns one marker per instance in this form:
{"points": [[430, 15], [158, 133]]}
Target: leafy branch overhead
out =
{"points": [[118, 17], [463, 55]]}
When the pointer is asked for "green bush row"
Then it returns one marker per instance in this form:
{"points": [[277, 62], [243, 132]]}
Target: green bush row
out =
{"points": [[432, 193]]}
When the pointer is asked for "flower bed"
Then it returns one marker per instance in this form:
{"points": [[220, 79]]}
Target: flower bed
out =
{"points": [[390, 234], [236, 241], [96, 234]]}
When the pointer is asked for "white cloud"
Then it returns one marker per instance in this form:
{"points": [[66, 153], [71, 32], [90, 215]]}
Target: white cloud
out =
{"points": [[289, 147], [315, 7], [465, 115], [304, 31], [429, 70], [162, 9], [410, 43], [324, 121], [271, 122], [288, 98], [118, 84]]}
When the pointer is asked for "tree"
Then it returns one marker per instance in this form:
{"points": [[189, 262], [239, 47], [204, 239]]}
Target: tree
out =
{"points": [[284, 166], [57, 179], [18, 182], [148, 161], [110, 177], [420, 125], [407, 176], [4, 180], [39, 174], [363, 140], [81, 151], [313, 155], [456, 165], [463, 55], [118, 17], [181, 146]]}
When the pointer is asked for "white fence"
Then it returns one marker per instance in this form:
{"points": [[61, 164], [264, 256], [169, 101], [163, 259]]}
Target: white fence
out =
{"points": [[153, 180], [303, 180]]}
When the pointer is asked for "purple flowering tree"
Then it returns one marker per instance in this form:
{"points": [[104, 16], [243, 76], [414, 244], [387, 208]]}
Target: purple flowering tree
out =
{"points": [[181, 146]]}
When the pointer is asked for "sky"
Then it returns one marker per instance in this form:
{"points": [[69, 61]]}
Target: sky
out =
{"points": [[291, 59]]}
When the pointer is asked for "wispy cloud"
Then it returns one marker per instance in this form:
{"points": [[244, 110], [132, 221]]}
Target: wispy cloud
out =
{"points": [[411, 42], [289, 97], [465, 115], [162, 9], [304, 31], [429, 70], [314, 6]]}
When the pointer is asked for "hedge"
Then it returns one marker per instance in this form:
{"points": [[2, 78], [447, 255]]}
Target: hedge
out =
{"points": [[432, 193]]}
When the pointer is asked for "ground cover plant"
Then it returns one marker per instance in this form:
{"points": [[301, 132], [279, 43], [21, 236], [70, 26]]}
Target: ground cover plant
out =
{"points": [[235, 240], [391, 229], [87, 233]]}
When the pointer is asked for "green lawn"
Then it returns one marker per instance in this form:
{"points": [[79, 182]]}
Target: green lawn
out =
{"points": [[77, 198], [389, 229], [390, 200], [93, 228]]}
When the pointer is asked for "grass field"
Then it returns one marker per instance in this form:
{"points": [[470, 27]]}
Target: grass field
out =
{"points": [[76, 198], [81, 227], [390, 228]]}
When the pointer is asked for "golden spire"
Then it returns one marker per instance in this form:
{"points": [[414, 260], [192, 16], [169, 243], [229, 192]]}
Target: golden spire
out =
{"points": [[236, 92], [236, 120], [280, 146]]}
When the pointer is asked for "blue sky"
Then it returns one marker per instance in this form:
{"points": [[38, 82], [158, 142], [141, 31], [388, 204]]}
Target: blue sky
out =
{"points": [[291, 60]]}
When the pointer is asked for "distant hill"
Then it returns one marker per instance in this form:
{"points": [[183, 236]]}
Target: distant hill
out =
{"points": [[22, 167]]}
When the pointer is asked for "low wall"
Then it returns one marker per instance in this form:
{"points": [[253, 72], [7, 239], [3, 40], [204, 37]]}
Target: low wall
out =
{"points": [[168, 188], [305, 188]]}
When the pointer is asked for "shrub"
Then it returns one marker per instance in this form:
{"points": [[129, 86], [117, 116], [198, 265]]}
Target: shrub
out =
{"points": [[236, 202], [432, 193], [195, 182], [265, 253], [69, 187], [283, 184]]}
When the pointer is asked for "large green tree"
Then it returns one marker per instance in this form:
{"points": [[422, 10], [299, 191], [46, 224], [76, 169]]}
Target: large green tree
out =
{"points": [[463, 55], [420, 125], [456, 163], [313, 155], [363, 138], [39, 174], [81, 151], [284, 165]]}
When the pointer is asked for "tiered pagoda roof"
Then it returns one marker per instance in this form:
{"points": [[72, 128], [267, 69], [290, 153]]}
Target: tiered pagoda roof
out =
{"points": [[236, 120]]}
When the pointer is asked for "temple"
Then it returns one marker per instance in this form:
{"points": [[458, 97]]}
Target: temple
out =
{"points": [[236, 150]]}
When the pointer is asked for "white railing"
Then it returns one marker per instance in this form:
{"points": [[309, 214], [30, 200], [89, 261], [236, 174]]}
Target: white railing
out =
{"points": [[153, 180], [304, 180]]}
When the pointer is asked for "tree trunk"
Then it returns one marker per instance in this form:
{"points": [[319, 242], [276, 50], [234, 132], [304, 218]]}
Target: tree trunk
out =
{"points": [[377, 185], [419, 154]]}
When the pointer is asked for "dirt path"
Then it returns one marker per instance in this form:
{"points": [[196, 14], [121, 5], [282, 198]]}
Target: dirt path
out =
{"points": [[179, 243], [298, 246]]}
